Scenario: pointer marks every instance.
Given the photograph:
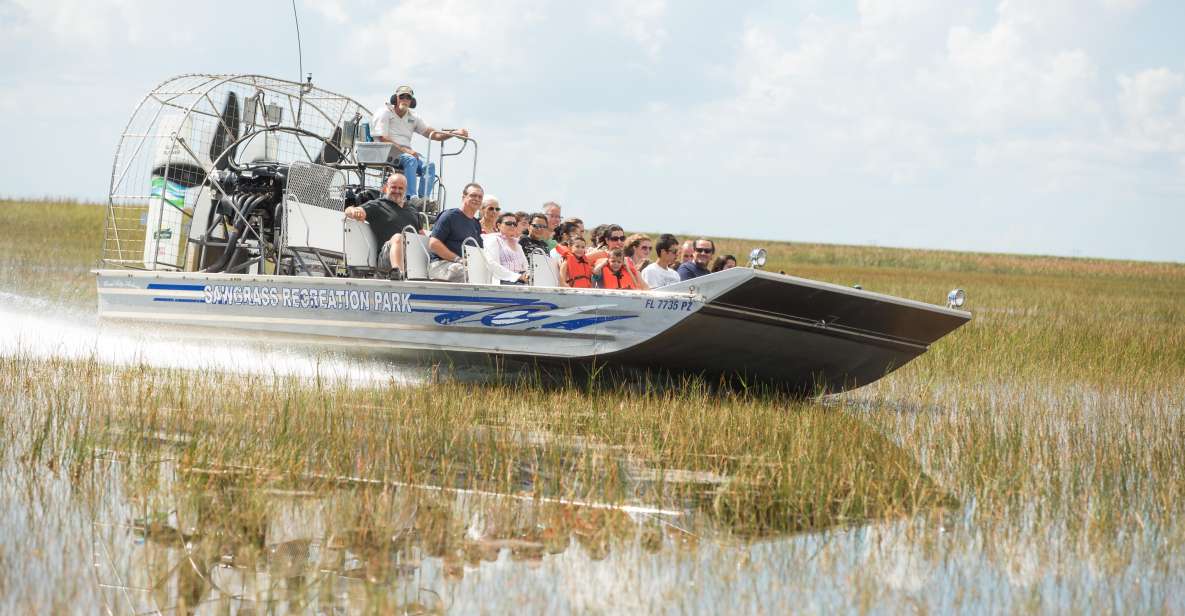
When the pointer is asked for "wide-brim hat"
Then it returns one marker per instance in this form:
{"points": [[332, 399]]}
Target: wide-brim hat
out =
{"points": [[405, 90]]}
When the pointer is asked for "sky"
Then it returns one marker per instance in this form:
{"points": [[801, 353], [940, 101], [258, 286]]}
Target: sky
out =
{"points": [[1053, 127]]}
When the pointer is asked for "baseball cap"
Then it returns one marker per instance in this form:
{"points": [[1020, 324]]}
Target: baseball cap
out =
{"points": [[406, 90]]}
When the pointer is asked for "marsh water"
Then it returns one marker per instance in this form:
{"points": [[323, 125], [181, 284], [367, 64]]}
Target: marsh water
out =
{"points": [[140, 534], [1029, 463]]}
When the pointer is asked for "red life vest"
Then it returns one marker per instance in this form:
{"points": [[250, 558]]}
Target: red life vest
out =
{"points": [[579, 271], [621, 279]]}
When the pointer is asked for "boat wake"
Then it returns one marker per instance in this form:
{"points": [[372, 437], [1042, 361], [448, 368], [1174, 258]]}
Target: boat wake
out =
{"points": [[39, 329]]}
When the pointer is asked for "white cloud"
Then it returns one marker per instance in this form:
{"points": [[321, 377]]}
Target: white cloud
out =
{"points": [[91, 24], [333, 10], [1151, 92], [1122, 5], [641, 21], [896, 94], [420, 37], [1152, 104], [65, 22]]}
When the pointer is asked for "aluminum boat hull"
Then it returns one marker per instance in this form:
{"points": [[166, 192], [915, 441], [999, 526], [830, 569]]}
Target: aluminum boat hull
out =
{"points": [[742, 325]]}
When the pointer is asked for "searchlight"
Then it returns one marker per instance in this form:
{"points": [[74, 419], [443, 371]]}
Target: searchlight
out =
{"points": [[757, 258], [956, 298]]}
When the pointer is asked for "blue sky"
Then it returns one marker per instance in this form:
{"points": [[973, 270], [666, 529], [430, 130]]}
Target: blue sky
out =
{"points": [[1037, 127]]}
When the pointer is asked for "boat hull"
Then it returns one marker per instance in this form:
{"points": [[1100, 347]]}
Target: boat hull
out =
{"points": [[741, 326]]}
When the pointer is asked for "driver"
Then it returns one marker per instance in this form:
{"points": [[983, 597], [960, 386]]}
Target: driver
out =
{"points": [[395, 124], [388, 217]]}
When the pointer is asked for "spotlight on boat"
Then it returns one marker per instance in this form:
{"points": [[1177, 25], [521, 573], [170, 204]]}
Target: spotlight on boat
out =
{"points": [[956, 298], [757, 258]]}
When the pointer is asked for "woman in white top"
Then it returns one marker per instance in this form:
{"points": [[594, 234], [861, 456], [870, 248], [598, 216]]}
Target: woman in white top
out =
{"points": [[508, 263], [662, 272]]}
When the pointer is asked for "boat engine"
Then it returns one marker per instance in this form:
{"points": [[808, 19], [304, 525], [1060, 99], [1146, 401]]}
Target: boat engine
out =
{"points": [[243, 214]]}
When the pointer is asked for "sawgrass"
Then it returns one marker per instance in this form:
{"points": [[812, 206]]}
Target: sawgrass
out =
{"points": [[1029, 461], [49, 247]]}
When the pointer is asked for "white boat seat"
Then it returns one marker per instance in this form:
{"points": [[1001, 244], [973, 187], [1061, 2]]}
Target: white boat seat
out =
{"points": [[415, 256], [477, 269], [361, 248], [312, 228], [544, 270]]}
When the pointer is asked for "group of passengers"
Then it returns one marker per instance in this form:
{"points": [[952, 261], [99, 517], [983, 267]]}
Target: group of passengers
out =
{"points": [[607, 258]]}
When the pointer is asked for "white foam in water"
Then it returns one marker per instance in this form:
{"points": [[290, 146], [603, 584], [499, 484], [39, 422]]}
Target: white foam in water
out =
{"points": [[35, 328]]}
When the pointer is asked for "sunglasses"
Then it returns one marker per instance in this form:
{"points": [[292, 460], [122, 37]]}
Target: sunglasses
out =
{"points": [[405, 97], [510, 223], [493, 209], [617, 238], [538, 226], [705, 251]]}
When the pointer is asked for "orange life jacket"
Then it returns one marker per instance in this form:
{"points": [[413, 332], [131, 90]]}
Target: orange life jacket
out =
{"points": [[621, 279], [579, 271]]}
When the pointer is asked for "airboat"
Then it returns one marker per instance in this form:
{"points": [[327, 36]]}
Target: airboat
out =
{"points": [[225, 212]]}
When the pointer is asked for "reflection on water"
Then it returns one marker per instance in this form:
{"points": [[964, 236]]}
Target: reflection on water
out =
{"points": [[151, 536], [235, 541]]}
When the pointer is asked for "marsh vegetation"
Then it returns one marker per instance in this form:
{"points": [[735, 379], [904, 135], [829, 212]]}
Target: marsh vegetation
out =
{"points": [[1028, 462]]}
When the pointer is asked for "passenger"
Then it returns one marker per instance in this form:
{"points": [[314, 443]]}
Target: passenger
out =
{"points": [[575, 269], [719, 264], [538, 237], [452, 229], [564, 234], [598, 240], [552, 210], [507, 262], [704, 249], [611, 237], [615, 240], [523, 228], [490, 208], [578, 222], [637, 250], [662, 272], [388, 217], [686, 252], [395, 124], [614, 272]]}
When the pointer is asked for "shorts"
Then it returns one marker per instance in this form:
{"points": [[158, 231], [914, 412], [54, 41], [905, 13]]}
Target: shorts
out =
{"points": [[384, 263], [446, 271]]}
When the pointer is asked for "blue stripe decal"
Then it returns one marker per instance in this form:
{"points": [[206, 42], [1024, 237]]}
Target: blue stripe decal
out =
{"points": [[464, 298], [178, 299], [574, 324], [176, 287]]}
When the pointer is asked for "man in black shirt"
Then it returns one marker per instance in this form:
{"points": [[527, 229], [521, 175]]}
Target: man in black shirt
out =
{"points": [[538, 234], [388, 216]]}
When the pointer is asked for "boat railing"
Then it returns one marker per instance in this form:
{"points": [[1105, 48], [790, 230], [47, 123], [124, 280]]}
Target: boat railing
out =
{"points": [[446, 154]]}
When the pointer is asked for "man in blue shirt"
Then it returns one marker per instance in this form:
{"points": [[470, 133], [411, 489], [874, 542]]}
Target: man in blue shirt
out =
{"points": [[452, 228], [698, 266]]}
